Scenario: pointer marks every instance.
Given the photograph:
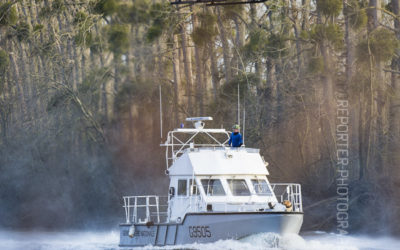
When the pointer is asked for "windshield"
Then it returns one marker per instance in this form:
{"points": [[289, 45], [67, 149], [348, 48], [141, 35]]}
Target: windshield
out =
{"points": [[213, 187], [261, 187], [238, 187]]}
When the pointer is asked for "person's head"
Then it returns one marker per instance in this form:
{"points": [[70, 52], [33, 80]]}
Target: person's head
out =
{"points": [[236, 128]]}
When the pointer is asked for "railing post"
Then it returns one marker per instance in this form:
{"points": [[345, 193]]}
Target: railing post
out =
{"points": [[135, 211], [126, 210], [147, 209], [158, 210], [301, 200]]}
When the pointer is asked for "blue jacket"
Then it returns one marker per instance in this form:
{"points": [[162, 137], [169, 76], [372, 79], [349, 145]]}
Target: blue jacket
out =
{"points": [[236, 140]]}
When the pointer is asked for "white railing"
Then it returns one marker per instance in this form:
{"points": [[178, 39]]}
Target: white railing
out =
{"points": [[191, 204], [153, 208], [290, 192], [179, 140], [144, 209]]}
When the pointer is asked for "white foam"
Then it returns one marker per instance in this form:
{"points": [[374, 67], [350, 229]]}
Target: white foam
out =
{"points": [[264, 241]]}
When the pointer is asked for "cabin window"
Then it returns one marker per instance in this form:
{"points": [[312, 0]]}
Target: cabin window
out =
{"points": [[238, 187], [213, 187], [193, 187], [261, 187], [182, 187]]}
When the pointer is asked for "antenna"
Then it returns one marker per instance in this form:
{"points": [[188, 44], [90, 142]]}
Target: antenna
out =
{"points": [[161, 123], [244, 119], [238, 104]]}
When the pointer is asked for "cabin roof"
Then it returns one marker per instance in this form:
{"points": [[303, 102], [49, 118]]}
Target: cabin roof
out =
{"points": [[219, 161]]}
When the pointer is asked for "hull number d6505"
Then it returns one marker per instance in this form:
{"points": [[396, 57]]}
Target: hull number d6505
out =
{"points": [[199, 231]]}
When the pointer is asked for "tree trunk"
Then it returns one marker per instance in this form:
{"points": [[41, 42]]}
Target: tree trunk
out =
{"points": [[214, 70], [177, 77], [394, 118], [187, 61], [199, 105], [225, 46]]}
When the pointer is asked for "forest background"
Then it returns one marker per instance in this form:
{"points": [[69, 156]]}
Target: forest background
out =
{"points": [[79, 105]]}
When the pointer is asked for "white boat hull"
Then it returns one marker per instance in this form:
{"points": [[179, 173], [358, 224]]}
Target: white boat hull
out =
{"points": [[210, 227]]}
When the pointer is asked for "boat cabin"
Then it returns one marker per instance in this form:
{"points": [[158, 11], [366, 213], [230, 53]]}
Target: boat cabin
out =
{"points": [[220, 179]]}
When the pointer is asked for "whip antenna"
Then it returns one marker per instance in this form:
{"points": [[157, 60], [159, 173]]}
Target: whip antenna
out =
{"points": [[161, 123], [244, 119], [238, 104]]}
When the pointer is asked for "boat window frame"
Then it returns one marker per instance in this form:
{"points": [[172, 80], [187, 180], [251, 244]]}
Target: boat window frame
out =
{"points": [[266, 183], [178, 188], [244, 180], [214, 179]]}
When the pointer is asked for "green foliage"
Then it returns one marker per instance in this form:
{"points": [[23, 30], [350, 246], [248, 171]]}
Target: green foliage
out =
{"points": [[22, 30], [80, 17], [389, 6], [260, 43], [8, 14], [276, 45], [84, 38], [230, 11], [330, 33], [124, 13], [357, 15], [105, 7], [201, 36], [330, 7], [153, 33], [256, 43], [38, 28], [118, 38], [133, 91], [316, 65], [58, 6], [4, 60], [358, 19], [206, 31], [137, 13], [96, 45], [246, 82], [160, 14], [45, 12], [382, 44]]}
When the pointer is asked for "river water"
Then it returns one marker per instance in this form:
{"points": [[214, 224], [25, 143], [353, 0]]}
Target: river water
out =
{"points": [[109, 240]]}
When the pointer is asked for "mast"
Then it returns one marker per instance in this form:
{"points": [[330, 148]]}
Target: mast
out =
{"points": [[238, 106], [244, 119], [161, 122]]}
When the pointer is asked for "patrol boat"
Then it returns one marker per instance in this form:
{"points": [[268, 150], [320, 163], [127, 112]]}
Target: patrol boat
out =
{"points": [[215, 192]]}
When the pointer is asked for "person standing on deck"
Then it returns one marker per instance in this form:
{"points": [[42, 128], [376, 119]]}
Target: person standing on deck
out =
{"points": [[236, 139]]}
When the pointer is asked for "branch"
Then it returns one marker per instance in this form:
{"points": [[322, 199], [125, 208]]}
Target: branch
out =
{"points": [[392, 71]]}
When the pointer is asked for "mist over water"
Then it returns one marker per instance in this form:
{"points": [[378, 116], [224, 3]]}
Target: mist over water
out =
{"points": [[109, 241]]}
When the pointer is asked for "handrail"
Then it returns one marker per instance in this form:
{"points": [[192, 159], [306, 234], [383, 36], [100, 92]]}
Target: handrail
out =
{"points": [[290, 192], [175, 146], [154, 208], [143, 207]]}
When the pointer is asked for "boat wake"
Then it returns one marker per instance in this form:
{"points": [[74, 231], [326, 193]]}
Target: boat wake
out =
{"points": [[265, 241]]}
